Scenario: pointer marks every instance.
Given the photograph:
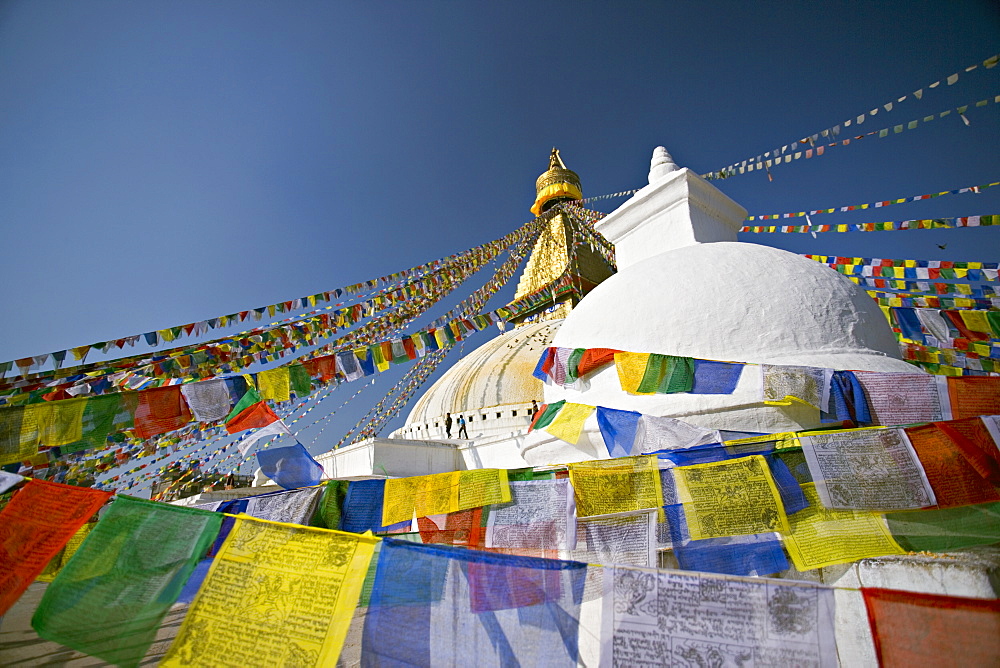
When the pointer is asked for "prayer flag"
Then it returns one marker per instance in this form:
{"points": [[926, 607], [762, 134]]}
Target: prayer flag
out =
{"points": [[160, 410], [616, 485], [463, 607], [290, 467], [913, 629], [568, 424], [734, 497], [288, 565], [110, 598], [822, 537], [274, 384], [37, 522], [255, 415]]}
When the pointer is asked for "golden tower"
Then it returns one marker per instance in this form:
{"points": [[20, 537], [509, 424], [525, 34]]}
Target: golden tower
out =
{"points": [[561, 268]]}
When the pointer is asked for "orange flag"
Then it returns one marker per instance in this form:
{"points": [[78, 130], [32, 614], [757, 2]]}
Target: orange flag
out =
{"points": [[37, 523]]}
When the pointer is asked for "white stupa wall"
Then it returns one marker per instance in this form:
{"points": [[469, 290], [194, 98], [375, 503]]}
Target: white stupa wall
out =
{"points": [[678, 208]]}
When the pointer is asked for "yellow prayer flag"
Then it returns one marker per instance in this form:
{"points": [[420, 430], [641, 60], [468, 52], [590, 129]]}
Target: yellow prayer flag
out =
{"points": [[783, 441], [274, 384], [823, 537], [568, 424], [482, 487], [60, 422], [270, 576], [619, 485], [734, 497], [631, 368], [58, 561], [424, 495], [976, 321]]}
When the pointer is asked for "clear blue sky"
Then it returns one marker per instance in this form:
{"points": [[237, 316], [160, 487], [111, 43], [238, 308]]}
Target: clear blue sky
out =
{"points": [[167, 162]]}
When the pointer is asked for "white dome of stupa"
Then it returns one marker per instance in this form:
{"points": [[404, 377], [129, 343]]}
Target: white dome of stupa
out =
{"points": [[736, 302], [493, 379]]}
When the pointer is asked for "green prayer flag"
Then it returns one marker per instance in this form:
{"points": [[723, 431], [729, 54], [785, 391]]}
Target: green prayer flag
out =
{"points": [[666, 374], [528, 475], [299, 380], [573, 364], [102, 416], [945, 529], [330, 506], [110, 598], [246, 401], [548, 415]]}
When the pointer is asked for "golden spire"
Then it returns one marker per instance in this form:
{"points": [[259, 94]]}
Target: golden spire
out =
{"points": [[558, 263], [555, 184]]}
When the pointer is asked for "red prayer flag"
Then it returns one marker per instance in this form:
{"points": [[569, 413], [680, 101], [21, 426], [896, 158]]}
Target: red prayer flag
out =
{"points": [[161, 410], [254, 416], [972, 396], [34, 526], [958, 459], [594, 358], [913, 629]]}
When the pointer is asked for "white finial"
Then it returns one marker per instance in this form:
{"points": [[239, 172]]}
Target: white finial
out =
{"points": [[661, 164]]}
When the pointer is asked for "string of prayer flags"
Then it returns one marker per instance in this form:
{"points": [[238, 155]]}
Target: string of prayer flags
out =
{"points": [[460, 607], [748, 555], [287, 565], [909, 628], [659, 617], [867, 469], [734, 497], [38, 522], [435, 278], [960, 460], [109, 600], [293, 507], [874, 205], [541, 515], [291, 466], [786, 152], [946, 529], [910, 269], [889, 225], [608, 486], [822, 537]]}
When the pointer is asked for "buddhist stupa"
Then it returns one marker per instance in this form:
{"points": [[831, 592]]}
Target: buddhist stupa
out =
{"points": [[686, 287]]}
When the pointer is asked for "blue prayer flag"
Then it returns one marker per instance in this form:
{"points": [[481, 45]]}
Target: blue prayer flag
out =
{"points": [[291, 467]]}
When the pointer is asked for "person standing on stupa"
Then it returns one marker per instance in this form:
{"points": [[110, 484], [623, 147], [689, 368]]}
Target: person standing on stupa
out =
{"points": [[447, 425], [462, 433]]}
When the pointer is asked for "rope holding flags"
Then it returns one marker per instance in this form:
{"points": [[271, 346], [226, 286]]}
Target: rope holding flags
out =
{"points": [[783, 154]]}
